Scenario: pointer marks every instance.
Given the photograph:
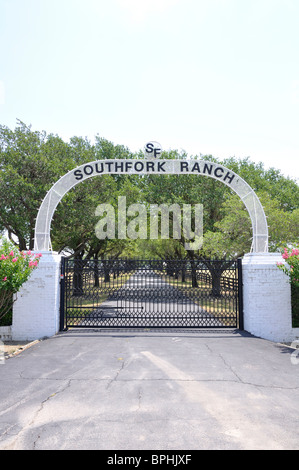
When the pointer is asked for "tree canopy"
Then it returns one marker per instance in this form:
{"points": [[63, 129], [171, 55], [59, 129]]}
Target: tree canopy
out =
{"points": [[31, 161]]}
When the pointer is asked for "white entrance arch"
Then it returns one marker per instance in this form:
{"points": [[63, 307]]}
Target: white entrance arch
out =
{"points": [[42, 238]]}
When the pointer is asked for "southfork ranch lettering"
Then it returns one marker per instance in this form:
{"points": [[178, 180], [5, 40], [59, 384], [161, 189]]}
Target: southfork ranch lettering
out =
{"points": [[42, 241], [145, 167]]}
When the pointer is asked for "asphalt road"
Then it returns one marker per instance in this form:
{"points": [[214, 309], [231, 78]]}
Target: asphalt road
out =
{"points": [[150, 390]]}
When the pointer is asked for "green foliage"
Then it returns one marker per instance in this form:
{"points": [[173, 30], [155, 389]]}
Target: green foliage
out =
{"points": [[15, 269], [235, 225], [31, 161], [291, 268], [271, 181]]}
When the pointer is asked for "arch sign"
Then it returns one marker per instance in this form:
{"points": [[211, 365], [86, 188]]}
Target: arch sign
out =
{"points": [[154, 166]]}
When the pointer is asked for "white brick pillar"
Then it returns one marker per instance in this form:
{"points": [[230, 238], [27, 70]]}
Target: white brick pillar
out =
{"points": [[36, 310], [266, 298]]}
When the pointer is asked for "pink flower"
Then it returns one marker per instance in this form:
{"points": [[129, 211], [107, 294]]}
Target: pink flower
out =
{"points": [[15, 260], [11, 253], [29, 253], [4, 279], [3, 257], [33, 263], [279, 264], [286, 254]]}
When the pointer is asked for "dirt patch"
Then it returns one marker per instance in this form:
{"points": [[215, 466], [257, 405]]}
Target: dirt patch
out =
{"points": [[12, 348]]}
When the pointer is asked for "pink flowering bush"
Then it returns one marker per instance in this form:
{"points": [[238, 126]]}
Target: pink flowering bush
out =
{"points": [[291, 268], [15, 269]]}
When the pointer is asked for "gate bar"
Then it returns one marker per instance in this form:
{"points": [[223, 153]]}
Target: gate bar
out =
{"points": [[240, 294], [62, 295]]}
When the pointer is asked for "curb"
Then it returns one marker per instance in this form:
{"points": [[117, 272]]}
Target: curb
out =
{"points": [[21, 349]]}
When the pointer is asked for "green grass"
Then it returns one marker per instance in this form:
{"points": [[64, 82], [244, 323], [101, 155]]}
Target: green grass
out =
{"points": [[96, 295], [214, 305]]}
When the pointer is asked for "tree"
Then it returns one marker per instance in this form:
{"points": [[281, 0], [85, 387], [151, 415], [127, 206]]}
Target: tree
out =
{"points": [[227, 225], [29, 163]]}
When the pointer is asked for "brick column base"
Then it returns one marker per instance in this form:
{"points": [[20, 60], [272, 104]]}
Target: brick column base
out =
{"points": [[36, 310], [267, 298]]}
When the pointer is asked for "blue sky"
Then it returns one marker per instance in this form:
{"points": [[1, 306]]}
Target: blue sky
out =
{"points": [[216, 77]]}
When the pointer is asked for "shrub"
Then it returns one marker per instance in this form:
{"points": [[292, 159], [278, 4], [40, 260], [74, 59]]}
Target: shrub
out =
{"points": [[291, 268], [15, 269]]}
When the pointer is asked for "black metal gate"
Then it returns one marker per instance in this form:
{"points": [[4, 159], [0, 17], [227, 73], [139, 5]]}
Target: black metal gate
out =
{"points": [[151, 294]]}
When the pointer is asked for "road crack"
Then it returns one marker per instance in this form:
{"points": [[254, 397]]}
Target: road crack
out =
{"points": [[33, 420], [114, 379]]}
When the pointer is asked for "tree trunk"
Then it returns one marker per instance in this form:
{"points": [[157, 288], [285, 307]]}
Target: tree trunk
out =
{"points": [[216, 284], [216, 269], [106, 268]]}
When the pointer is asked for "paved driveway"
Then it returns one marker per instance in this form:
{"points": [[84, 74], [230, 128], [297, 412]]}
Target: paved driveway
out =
{"points": [[151, 390]]}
